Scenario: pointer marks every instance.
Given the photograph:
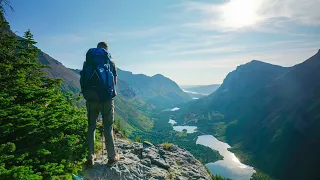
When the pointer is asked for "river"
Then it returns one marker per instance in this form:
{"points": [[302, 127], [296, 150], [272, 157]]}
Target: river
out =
{"points": [[230, 167]]}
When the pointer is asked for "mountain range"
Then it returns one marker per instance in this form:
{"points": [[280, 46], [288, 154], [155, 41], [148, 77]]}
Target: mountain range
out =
{"points": [[138, 94], [269, 114]]}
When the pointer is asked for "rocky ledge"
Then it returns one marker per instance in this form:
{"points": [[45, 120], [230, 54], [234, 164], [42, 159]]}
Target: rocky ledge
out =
{"points": [[146, 161]]}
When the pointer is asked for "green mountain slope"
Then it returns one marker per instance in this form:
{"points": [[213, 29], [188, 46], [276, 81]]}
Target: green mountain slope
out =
{"points": [[157, 90], [58, 70], [269, 114]]}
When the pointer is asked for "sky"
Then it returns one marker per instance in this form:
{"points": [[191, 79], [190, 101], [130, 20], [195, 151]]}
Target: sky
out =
{"points": [[191, 42]]}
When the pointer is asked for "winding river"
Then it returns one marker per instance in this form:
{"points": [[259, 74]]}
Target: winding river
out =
{"points": [[230, 167]]}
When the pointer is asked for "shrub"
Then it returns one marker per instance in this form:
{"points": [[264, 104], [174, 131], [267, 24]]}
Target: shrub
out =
{"points": [[166, 146]]}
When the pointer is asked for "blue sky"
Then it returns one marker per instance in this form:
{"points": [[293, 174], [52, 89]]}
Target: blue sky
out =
{"points": [[191, 42]]}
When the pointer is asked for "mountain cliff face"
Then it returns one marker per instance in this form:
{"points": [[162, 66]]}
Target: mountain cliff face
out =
{"points": [[58, 70], [281, 130], [146, 161], [242, 84], [235, 91], [270, 115]]}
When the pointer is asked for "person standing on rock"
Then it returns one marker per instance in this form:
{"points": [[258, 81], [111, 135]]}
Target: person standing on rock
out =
{"points": [[98, 79]]}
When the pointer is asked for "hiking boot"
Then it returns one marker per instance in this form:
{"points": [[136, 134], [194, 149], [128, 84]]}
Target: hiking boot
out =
{"points": [[89, 162], [112, 162]]}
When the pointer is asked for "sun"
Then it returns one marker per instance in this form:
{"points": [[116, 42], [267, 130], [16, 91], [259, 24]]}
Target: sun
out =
{"points": [[240, 13]]}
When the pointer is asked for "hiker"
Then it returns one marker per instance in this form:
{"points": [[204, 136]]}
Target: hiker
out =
{"points": [[98, 79]]}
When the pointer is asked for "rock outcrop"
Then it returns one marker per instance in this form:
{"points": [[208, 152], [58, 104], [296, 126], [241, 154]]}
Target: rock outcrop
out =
{"points": [[146, 161]]}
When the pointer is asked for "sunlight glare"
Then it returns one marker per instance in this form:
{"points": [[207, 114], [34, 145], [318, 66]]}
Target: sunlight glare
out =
{"points": [[240, 13], [235, 159]]}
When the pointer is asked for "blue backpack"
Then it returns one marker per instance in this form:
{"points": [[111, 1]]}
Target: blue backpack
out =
{"points": [[96, 77]]}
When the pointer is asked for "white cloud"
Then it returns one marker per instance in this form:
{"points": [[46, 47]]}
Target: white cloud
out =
{"points": [[215, 48], [238, 14], [186, 43]]}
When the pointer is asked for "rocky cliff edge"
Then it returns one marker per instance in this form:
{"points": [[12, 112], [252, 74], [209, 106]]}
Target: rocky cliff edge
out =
{"points": [[147, 161]]}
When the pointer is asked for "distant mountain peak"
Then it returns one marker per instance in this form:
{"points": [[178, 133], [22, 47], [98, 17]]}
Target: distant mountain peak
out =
{"points": [[259, 62], [158, 75], [256, 61], [256, 64]]}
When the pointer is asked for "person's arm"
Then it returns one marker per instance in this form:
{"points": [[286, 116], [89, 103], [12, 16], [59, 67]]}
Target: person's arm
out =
{"points": [[114, 72]]}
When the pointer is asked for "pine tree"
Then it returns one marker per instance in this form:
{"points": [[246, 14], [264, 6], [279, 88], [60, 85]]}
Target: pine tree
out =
{"points": [[42, 133]]}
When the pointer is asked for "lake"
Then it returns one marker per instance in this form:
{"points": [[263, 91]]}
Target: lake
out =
{"points": [[230, 166], [190, 129]]}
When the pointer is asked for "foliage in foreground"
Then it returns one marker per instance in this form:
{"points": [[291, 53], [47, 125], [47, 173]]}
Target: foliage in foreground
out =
{"points": [[42, 132], [167, 146], [218, 177]]}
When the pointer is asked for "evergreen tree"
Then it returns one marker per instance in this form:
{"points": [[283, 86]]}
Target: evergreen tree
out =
{"points": [[42, 133]]}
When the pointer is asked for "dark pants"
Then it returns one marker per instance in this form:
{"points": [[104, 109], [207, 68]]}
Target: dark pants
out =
{"points": [[107, 110]]}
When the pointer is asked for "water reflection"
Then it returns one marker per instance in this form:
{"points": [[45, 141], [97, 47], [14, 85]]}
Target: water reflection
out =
{"points": [[173, 122], [190, 129], [230, 166], [173, 109]]}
